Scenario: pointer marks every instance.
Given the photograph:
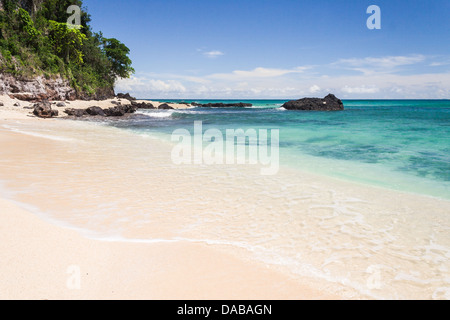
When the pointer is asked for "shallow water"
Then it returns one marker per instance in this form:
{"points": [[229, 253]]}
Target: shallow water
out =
{"points": [[398, 144], [118, 184]]}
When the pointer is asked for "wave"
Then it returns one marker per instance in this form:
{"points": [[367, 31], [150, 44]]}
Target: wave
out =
{"points": [[158, 114]]}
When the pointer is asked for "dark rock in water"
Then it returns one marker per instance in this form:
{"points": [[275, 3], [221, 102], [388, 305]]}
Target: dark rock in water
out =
{"points": [[165, 106], [143, 105], [329, 103], [120, 110], [222, 105], [76, 112], [125, 96], [114, 112], [44, 110], [117, 111], [60, 104], [1, 104], [95, 111], [17, 104]]}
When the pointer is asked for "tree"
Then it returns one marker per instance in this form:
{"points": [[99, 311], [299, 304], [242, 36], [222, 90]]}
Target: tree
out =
{"points": [[117, 54], [67, 42], [27, 25]]}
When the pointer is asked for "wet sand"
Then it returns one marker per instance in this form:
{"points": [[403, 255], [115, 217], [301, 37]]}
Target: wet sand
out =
{"points": [[110, 203]]}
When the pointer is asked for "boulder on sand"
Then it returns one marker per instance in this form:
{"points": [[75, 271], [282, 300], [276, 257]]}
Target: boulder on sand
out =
{"points": [[44, 110]]}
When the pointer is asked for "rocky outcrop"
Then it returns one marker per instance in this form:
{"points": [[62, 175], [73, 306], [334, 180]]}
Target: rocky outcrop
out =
{"points": [[222, 105], [76, 112], [95, 111], [42, 89], [117, 111], [36, 89], [126, 96], [165, 106], [44, 110], [329, 103], [143, 105]]}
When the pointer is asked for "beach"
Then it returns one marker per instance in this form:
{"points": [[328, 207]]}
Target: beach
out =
{"points": [[40, 255], [88, 199]]}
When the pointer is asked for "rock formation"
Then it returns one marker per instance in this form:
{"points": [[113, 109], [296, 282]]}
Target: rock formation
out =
{"points": [[36, 89], [165, 106], [143, 105], [329, 103], [42, 89], [125, 96], [117, 111], [44, 110]]}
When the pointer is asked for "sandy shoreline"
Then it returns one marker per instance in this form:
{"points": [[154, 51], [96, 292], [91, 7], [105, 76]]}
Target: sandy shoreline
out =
{"points": [[43, 261], [24, 110], [141, 227], [40, 260]]}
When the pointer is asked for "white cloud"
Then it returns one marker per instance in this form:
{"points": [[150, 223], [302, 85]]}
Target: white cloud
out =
{"points": [[385, 62], [260, 72], [371, 65], [149, 87], [314, 89], [213, 54], [362, 89], [297, 82]]}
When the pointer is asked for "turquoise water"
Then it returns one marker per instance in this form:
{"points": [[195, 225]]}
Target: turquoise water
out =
{"points": [[398, 144]]}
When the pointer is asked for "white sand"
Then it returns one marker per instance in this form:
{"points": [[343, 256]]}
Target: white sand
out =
{"points": [[42, 260], [25, 110]]}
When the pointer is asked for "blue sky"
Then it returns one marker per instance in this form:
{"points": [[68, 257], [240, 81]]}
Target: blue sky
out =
{"points": [[284, 49]]}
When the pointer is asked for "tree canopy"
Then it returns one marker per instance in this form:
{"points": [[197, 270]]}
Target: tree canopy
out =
{"points": [[36, 39]]}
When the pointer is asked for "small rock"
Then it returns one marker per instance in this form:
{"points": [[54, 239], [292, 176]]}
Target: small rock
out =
{"points": [[44, 110], [1, 104], [60, 104], [165, 106], [143, 105], [17, 104], [76, 112], [126, 96], [95, 111]]}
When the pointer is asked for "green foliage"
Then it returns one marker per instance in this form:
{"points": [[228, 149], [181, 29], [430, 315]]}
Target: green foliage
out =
{"points": [[67, 42], [117, 53], [35, 39], [27, 25]]}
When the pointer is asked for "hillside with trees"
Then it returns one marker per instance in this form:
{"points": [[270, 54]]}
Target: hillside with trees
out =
{"points": [[37, 40]]}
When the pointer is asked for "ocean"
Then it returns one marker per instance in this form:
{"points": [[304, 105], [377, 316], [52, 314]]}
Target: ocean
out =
{"points": [[397, 144], [359, 207]]}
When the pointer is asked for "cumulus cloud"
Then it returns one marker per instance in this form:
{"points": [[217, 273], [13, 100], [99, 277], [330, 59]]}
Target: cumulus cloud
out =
{"points": [[314, 89], [143, 87], [287, 83]]}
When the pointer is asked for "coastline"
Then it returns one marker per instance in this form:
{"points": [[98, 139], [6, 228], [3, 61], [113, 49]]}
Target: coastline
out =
{"points": [[39, 260], [25, 109], [38, 254], [336, 214]]}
